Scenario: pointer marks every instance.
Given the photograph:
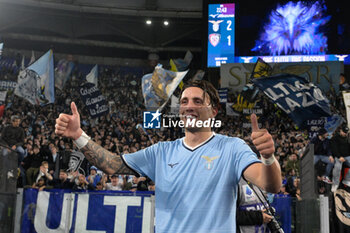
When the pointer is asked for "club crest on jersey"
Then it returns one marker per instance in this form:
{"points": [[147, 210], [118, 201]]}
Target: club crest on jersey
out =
{"points": [[209, 161], [214, 39]]}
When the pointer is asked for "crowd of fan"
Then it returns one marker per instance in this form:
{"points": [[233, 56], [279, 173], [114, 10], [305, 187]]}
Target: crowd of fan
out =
{"points": [[46, 160]]}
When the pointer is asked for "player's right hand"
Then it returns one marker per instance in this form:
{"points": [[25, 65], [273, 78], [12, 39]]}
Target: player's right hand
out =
{"points": [[69, 125]]}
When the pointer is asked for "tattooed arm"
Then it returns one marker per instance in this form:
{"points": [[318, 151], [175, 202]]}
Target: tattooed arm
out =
{"points": [[107, 161], [69, 126]]}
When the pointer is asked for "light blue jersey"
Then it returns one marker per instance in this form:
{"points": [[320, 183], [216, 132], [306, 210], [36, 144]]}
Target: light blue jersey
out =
{"points": [[196, 189]]}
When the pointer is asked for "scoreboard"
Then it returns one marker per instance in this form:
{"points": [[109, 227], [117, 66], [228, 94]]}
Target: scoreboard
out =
{"points": [[221, 34]]}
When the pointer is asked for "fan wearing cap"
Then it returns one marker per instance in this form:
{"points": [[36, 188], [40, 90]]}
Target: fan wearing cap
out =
{"points": [[93, 178], [340, 147], [115, 183], [322, 152]]}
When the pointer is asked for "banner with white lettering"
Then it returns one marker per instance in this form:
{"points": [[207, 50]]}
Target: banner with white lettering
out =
{"points": [[324, 74], [93, 99], [223, 95], [300, 99], [7, 85], [258, 110], [60, 211], [314, 125], [329, 123]]}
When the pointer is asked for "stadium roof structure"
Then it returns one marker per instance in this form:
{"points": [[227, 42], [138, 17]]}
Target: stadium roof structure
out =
{"points": [[106, 28], [118, 29]]}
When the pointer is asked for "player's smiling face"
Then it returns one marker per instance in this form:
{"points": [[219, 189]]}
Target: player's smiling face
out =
{"points": [[195, 103]]}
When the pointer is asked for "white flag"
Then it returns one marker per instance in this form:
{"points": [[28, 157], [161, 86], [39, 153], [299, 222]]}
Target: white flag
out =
{"points": [[93, 75], [32, 59], [22, 63]]}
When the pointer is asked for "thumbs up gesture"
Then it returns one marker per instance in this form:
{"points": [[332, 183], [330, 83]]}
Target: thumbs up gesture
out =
{"points": [[69, 125], [262, 139]]}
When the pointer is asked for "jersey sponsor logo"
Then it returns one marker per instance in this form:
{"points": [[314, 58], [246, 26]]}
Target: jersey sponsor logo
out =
{"points": [[209, 161]]}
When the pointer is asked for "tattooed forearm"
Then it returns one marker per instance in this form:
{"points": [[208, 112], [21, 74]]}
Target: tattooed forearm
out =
{"points": [[105, 160]]}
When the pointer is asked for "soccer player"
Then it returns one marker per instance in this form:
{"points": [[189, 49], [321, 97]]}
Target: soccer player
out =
{"points": [[196, 176]]}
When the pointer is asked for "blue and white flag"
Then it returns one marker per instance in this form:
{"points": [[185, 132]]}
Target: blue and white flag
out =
{"points": [[62, 72], [332, 123], [93, 75], [181, 64], [95, 102], [36, 82], [158, 87], [300, 99]]}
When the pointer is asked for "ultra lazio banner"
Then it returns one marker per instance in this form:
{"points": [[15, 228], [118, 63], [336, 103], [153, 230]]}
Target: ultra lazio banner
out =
{"points": [[59, 211]]}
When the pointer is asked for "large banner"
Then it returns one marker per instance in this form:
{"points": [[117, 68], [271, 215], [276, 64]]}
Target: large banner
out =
{"points": [[324, 74], [60, 211], [297, 97], [93, 99]]}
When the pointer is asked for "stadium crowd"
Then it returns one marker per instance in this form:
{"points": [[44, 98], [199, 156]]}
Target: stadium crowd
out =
{"points": [[46, 157]]}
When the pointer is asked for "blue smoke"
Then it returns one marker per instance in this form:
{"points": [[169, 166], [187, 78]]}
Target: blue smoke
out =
{"points": [[294, 28]]}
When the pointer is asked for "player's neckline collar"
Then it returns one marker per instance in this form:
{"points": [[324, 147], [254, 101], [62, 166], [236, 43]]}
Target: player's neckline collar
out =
{"points": [[199, 145]]}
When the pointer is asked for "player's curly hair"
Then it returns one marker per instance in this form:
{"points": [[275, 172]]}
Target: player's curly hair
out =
{"points": [[208, 88]]}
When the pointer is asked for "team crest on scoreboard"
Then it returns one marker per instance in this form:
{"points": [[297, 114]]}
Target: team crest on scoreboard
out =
{"points": [[216, 24], [214, 39]]}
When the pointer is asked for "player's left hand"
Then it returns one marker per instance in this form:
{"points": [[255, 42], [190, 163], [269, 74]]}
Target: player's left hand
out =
{"points": [[262, 139]]}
